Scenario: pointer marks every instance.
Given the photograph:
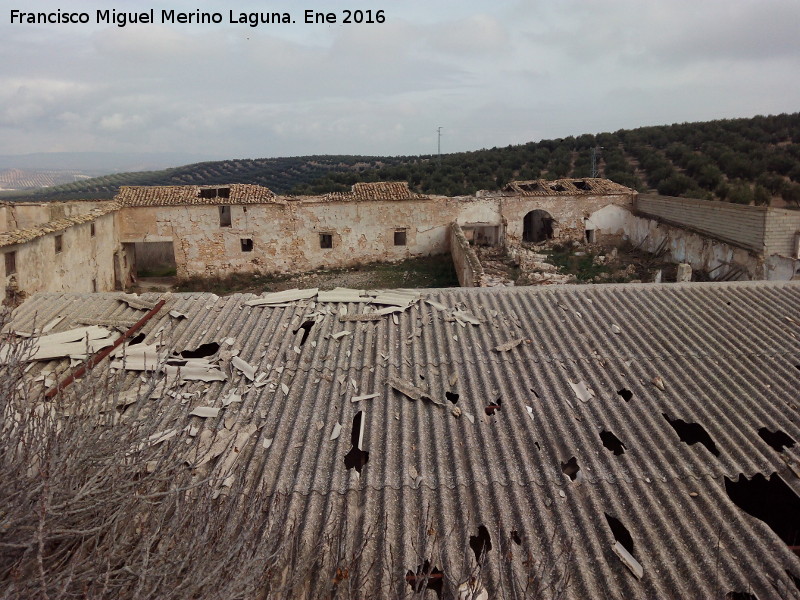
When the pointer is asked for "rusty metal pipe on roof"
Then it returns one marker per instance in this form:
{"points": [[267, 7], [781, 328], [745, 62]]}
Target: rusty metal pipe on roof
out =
{"points": [[94, 360]]}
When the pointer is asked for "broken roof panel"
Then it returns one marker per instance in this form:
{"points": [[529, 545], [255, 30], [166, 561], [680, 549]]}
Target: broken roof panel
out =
{"points": [[728, 355]]}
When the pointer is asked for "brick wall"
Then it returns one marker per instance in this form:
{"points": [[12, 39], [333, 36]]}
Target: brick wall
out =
{"points": [[733, 223]]}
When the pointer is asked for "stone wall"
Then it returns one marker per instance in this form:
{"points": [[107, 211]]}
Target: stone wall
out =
{"points": [[569, 212], [85, 262], [466, 263]]}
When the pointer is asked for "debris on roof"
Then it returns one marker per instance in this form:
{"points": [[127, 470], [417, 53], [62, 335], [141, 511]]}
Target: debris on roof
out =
{"points": [[628, 560], [281, 297], [505, 347]]}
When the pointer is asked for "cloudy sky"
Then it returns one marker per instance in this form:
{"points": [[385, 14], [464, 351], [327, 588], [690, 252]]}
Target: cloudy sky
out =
{"points": [[489, 73]]}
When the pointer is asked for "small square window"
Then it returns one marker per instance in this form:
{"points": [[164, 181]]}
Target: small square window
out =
{"points": [[59, 243], [91, 230], [247, 244], [326, 240], [11, 263], [400, 237], [225, 216]]}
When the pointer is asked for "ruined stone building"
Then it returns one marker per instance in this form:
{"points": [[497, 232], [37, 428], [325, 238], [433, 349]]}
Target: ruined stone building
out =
{"points": [[217, 230]]}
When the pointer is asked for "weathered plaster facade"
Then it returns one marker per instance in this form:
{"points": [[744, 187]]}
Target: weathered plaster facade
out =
{"points": [[375, 222], [77, 253]]}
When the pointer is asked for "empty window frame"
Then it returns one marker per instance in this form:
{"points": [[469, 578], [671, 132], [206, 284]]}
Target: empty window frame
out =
{"points": [[59, 244], [11, 263], [399, 237], [247, 244], [92, 231], [224, 216], [326, 240]]}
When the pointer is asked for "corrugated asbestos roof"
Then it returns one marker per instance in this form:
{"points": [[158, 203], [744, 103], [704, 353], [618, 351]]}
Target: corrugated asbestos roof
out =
{"points": [[566, 187], [728, 356], [20, 236]]}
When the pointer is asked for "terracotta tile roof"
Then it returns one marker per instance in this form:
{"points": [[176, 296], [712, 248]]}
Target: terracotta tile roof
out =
{"points": [[170, 195], [380, 190], [20, 236], [566, 187]]}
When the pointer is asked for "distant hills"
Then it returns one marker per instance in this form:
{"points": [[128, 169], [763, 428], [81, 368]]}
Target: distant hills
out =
{"points": [[750, 161]]}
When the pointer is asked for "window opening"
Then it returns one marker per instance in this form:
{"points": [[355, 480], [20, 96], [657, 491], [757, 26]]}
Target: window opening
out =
{"points": [[326, 240], [91, 230], [400, 237], [247, 244], [59, 243], [11, 263], [225, 216]]}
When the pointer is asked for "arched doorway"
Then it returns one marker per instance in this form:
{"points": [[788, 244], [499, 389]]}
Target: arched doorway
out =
{"points": [[537, 226]]}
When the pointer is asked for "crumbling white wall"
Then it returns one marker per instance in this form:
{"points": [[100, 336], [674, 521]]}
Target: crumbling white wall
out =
{"points": [[570, 212], [702, 252]]}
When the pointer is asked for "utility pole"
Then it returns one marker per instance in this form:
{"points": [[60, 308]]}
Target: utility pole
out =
{"points": [[439, 144]]}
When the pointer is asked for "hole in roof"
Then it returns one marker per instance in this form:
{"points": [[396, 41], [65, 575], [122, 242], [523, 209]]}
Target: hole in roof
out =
{"points": [[202, 351], [534, 392], [778, 440], [481, 543], [793, 578], [769, 500], [137, 339], [515, 538], [452, 396], [739, 596], [421, 376], [621, 533], [357, 458], [490, 408], [176, 362], [306, 327], [538, 447], [558, 188], [582, 185], [612, 442], [571, 468], [692, 433], [426, 578], [626, 394]]}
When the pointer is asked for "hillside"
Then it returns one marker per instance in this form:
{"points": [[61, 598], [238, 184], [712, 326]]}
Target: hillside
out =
{"points": [[753, 160]]}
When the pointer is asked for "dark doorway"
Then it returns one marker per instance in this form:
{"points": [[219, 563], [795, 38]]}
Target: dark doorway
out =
{"points": [[537, 226]]}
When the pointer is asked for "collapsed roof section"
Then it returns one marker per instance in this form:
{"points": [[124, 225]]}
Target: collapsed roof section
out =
{"points": [[565, 187]]}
